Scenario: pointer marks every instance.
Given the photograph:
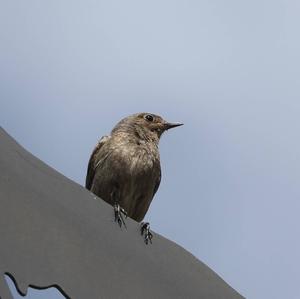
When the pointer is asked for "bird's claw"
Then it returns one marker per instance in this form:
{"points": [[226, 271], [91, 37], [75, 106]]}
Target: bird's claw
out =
{"points": [[145, 231], [119, 212]]}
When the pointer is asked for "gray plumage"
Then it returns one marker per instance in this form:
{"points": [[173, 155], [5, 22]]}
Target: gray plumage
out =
{"points": [[124, 167]]}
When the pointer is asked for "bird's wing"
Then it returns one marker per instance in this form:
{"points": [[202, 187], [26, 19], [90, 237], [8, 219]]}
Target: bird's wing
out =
{"points": [[157, 183], [93, 162]]}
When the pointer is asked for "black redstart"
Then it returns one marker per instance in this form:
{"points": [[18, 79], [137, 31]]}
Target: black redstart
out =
{"points": [[124, 168]]}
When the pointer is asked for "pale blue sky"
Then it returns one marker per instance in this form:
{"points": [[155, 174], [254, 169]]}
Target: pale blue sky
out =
{"points": [[230, 70]]}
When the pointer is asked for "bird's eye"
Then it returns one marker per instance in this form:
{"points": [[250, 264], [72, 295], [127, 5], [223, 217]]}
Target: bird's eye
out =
{"points": [[149, 117]]}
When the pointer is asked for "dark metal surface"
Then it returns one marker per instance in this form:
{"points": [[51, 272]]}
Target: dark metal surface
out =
{"points": [[53, 232]]}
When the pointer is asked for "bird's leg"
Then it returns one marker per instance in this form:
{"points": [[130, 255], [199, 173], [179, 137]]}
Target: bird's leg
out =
{"points": [[118, 210], [145, 231]]}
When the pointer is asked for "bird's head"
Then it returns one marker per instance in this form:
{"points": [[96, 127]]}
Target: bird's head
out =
{"points": [[146, 126]]}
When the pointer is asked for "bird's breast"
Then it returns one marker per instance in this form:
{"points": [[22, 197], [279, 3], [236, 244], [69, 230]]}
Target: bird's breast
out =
{"points": [[133, 159], [143, 161]]}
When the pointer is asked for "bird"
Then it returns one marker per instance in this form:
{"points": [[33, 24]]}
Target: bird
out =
{"points": [[124, 168]]}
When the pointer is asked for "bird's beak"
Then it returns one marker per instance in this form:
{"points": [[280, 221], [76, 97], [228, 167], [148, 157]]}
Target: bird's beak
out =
{"points": [[168, 126]]}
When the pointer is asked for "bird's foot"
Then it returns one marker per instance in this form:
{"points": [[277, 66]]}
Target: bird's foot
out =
{"points": [[120, 213], [145, 231]]}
